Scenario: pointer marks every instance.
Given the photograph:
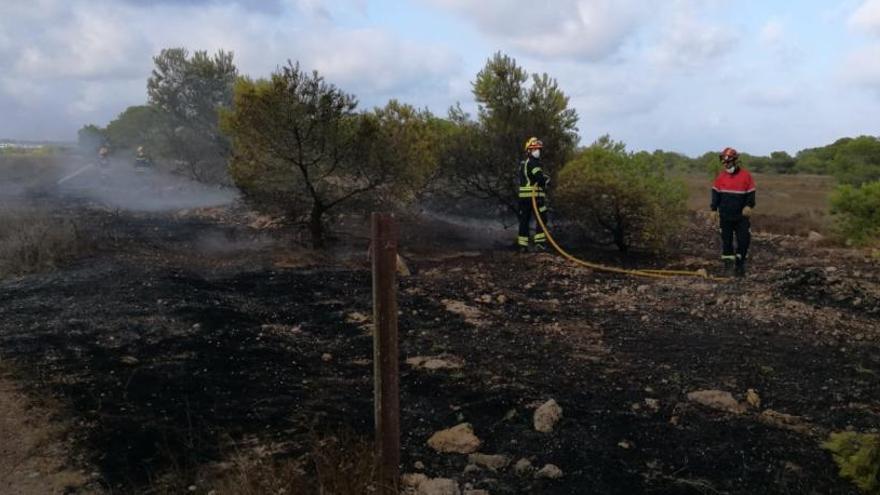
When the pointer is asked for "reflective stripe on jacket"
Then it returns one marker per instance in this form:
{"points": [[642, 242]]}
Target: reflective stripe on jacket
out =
{"points": [[531, 178]]}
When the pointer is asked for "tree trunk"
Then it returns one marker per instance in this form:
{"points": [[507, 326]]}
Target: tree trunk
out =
{"points": [[316, 226]]}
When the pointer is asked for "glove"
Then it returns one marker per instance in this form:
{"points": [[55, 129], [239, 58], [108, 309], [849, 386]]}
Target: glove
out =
{"points": [[714, 216], [747, 211]]}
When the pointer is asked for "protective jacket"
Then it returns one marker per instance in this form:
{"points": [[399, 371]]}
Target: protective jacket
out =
{"points": [[733, 192], [531, 178]]}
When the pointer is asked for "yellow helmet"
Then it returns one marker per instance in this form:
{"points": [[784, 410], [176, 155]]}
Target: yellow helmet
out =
{"points": [[534, 143]]}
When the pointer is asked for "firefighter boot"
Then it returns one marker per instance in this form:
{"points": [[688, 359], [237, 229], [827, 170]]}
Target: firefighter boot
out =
{"points": [[740, 270], [728, 267]]}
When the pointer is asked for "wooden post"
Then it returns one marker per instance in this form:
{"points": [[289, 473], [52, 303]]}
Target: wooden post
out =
{"points": [[385, 351]]}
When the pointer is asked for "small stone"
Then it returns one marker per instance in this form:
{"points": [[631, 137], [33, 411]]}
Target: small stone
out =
{"points": [[653, 404], [814, 236], [522, 466], [642, 288], [753, 398], [716, 399], [326, 357], [472, 468], [549, 471], [501, 299], [412, 480], [493, 462], [624, 444], [547, 416], [459, 439], [439, 486], [419, 465], [129, 360]]}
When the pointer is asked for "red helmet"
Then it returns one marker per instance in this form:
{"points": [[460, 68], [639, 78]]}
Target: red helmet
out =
{"points": [[728, 155]]}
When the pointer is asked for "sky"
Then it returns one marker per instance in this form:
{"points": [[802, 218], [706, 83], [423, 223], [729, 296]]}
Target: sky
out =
{"points": [[679, 75]]}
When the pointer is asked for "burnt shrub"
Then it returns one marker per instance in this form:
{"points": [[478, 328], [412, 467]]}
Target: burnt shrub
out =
{"points": [[33, 240]]}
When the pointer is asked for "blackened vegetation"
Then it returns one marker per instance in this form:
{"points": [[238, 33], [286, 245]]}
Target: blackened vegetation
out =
{"points": [[167, 363]]}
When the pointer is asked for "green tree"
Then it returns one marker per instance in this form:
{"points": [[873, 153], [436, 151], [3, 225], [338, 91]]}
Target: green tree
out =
{"points": [[857, 161], [781, 162], [619, 198], [857, 209], [410, 142], [509, 112], [300, 146], [191, 90], [139, 125]]}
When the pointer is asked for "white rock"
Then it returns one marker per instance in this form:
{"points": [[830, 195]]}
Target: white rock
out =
{"points": [[549, 471], [459, 439], [439, 486], [493, 462], [547, 416], [716, 399], [412, 480], [522, 466]]}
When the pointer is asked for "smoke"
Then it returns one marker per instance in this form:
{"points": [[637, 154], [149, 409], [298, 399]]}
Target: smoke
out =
{"points": [[120, 185]]}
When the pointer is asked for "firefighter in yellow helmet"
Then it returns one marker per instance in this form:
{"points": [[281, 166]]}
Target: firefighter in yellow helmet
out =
{"points": [[532, 182], [141, 160], [104, 156]]}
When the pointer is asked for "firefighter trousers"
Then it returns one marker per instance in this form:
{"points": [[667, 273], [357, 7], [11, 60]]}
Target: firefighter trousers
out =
{"points": [[525, 220], [739, 227]]}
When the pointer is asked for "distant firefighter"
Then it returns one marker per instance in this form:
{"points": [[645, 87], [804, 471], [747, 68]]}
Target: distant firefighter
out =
{"points": [[104, 156], [141, 160]]}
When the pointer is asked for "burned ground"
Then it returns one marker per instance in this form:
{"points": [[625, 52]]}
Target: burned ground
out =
{"points": [[188, 339]]}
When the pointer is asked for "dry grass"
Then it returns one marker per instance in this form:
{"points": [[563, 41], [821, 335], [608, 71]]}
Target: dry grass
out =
{"points": [[786, 204], [338, 464], [34, 240]]}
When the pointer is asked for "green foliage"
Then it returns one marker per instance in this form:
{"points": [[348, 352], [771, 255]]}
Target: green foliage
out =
{"points": [[410, 143], [620, 198], [300, 147], [509, 112], [858, 212], [190, 91], [851, 160], [858, 457], [141, 125]]}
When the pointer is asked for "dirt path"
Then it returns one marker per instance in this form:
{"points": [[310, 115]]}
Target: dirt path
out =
{"points": [[33, 454]]}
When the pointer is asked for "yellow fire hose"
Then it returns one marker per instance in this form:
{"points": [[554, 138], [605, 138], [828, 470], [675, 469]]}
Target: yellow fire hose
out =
{"points": [[648, 273]]}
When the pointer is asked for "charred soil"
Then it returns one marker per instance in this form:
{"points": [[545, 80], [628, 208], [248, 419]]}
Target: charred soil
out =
{"points": [[189, 338]]}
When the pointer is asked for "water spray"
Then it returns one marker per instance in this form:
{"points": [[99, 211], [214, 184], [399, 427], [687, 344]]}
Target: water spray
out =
{"points": [[81, 170]]}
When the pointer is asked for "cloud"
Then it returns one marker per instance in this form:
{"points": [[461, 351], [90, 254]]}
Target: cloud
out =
{"points": [[571, 29], [862, 67], [688, 42], [67, 63], [867, 17], [772, 33], [770, 96]]}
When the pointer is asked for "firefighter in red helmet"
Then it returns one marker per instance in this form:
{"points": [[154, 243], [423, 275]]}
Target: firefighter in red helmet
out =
{"points": [[733, 198]]}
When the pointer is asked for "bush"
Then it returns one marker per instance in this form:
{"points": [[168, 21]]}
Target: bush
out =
{"points": [[32, 241], [621, 199], [858, 457], [857, 210]]}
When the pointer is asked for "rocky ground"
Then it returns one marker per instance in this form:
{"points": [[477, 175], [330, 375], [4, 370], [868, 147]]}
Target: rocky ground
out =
{"points": [[191, 337]]}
